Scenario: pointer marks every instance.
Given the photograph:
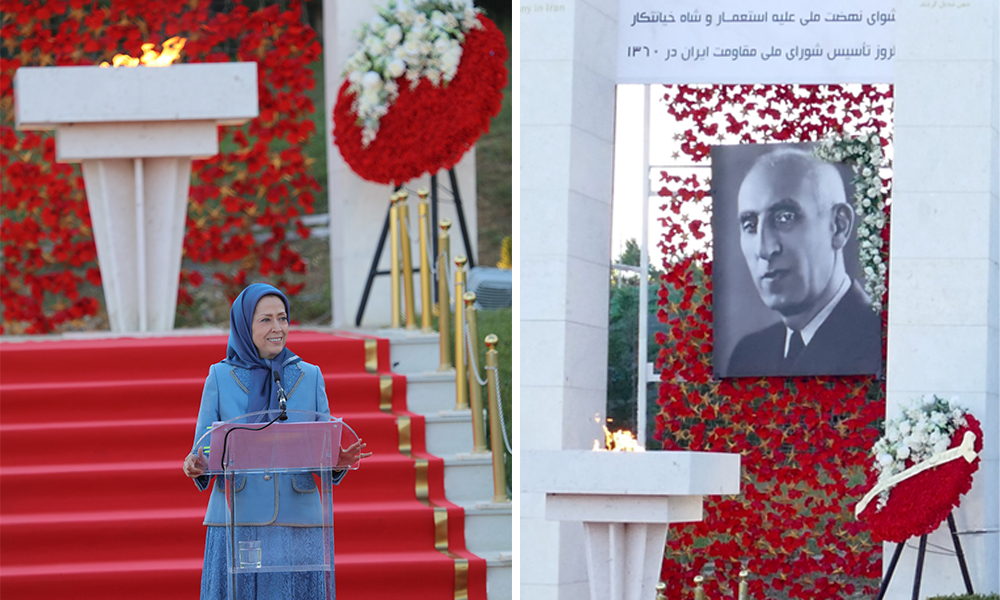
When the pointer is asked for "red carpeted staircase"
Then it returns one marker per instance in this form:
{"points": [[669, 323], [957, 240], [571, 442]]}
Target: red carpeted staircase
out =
{"points": [[93, 503]]}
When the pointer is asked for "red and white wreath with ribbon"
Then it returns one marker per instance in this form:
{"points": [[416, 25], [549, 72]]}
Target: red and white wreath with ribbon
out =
{"points": [[420, 90], [922, 466]]}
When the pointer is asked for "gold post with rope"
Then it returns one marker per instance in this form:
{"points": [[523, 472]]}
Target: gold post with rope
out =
{"points": [[461, 376], [425, 266], [404, 235], [496, 432], [444, 296], [394, 257], [475, 391]]}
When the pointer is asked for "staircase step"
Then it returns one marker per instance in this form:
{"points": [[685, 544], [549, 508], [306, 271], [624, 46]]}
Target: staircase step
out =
{"points": [[468, 477], [149, 398], [412, 351], [358, 577], [151, 535], [449, 432], [430, 392], [487, 526], [176, 357], [499, 575], [83, 442]]}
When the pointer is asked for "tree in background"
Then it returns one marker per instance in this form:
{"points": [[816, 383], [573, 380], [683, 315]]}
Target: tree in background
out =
{"points": [[623, 339]]}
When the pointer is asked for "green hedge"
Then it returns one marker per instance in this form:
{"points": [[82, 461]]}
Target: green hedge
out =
{"points": [[968, 597]]}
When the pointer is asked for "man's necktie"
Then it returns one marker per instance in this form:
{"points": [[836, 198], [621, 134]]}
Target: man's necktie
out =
{"points": [[795, 346]]}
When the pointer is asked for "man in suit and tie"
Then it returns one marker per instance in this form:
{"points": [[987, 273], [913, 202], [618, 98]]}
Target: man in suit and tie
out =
{"points": [[794, 222]]}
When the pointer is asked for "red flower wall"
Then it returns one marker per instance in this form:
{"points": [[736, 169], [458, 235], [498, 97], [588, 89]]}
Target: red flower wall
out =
{"points": [[804, 442], [49, 278]]}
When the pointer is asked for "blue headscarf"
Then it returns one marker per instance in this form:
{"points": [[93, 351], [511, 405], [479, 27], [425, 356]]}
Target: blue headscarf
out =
{"points": [[241, 351]]}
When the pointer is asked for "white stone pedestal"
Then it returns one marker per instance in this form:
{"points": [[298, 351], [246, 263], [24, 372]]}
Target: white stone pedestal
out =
{"points": [[135, 131], [626, 501]]}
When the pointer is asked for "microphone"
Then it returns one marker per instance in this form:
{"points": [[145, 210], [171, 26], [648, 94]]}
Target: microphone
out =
{"points": [[282, 398]]}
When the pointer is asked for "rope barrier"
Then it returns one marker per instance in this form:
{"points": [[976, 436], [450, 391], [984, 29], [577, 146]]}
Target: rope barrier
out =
{"points": [[447, 271], [470, 352], [503, 426]]}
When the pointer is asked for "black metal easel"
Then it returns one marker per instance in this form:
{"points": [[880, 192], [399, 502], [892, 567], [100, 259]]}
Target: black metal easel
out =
{"points": [[373, 270], [921, 552]]}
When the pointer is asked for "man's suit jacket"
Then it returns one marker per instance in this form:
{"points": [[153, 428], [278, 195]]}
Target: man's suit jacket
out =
{"points": [[849, 342], [263, 499]]}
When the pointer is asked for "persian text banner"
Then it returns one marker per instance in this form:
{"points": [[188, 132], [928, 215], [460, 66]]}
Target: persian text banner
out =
{"points": [[756, 41]]}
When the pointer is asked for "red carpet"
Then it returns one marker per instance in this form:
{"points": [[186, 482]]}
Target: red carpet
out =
{"points": [[93, 503]]}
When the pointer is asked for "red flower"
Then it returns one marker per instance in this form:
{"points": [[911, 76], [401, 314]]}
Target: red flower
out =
{"points": [[430, 127], [919, 504]]}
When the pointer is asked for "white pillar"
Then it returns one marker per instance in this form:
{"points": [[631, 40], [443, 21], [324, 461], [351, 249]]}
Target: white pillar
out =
{"points": [[944, 303], [140, 268], [567, 64], [358, 207]]}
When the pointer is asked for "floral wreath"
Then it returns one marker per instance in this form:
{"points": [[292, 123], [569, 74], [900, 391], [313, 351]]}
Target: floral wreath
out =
{"points": [[865, 155], [921, 467], [420, 89]]}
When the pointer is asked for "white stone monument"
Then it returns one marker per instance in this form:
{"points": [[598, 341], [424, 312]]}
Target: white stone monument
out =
{"points": [[136, 130], [626, 501], [944, 302]]}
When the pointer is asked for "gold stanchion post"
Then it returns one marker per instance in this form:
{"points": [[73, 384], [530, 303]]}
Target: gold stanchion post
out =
{"points": [[661, 591], [475, 391], [444, 297], [404, 236], [461, 376], [744, 590], [394, 257], [425, 266], [496, 434], [699, 591]]}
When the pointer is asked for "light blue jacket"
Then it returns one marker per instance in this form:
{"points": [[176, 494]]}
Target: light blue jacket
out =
{"points": [[263, 499]]}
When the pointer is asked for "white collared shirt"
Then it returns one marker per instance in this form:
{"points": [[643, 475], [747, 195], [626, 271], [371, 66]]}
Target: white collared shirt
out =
{"points": [[812, 326]]}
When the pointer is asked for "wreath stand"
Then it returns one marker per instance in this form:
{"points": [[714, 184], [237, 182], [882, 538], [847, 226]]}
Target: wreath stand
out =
{"points": [[921, 552], [373, 270]]}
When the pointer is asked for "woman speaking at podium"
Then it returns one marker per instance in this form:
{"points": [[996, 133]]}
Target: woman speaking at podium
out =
{"points": [[275, 507]]}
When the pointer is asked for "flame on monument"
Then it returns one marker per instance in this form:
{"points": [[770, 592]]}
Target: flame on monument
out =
{"points": [[151, 58], [622, 440]]}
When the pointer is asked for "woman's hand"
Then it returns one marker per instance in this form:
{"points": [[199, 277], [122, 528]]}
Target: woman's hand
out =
{"points": [[350, 455], [195, 465]]}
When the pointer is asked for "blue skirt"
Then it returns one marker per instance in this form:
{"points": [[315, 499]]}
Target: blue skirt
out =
{"points": [[280, 545]]}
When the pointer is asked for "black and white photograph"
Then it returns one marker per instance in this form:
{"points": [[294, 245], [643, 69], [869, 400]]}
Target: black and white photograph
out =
{"points": [[788, 295]]}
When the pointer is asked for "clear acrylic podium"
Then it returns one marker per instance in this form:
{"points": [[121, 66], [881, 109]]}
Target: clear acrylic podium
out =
{"points": [[278, 483]]}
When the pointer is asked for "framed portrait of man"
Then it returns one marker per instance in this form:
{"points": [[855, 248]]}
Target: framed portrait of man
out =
{"points": [[788, 293]]}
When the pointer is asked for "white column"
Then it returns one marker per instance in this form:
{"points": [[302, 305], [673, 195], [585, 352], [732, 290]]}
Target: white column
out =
{"points": [[140, 264], [944, 303], [567, 132], [358, 207]]}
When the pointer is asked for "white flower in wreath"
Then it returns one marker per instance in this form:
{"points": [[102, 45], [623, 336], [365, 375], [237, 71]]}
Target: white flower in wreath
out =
{"points": [[371, 81], [377, 24], [393, 35]]}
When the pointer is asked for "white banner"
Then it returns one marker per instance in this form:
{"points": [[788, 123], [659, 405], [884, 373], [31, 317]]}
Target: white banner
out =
{"points": [[755, 41]]}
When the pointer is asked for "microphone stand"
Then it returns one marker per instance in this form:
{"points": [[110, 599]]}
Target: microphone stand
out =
{"points": [[282, 398]]}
